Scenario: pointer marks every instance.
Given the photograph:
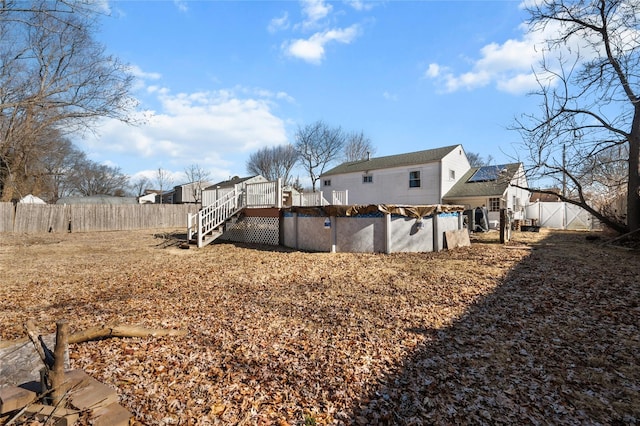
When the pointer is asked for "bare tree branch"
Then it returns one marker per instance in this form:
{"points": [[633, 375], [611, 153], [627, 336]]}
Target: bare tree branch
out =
{"points": [[318, 146], [587, 132]]}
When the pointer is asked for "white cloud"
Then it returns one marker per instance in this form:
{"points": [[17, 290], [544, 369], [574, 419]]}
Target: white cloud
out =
{"points": [[361, 5], [506, 65], [518, 84], [312, 49], [512, 66], [278, 24], [390, 96], [207, 128], [138, 73], [181, 5], [319, 18], [433, 70], [314, 10]]}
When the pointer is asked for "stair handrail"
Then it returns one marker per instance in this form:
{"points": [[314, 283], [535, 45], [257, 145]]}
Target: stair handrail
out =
{"points": [[214, 215]]}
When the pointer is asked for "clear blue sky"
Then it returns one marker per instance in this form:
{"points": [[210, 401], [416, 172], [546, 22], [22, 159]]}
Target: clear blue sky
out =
{"points": [[218, 80]]}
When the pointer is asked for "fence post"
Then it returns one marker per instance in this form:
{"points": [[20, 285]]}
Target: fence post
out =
{"points": [[505, 227]]}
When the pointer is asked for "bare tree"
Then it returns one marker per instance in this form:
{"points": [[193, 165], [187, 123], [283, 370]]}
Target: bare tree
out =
{"points": [[61, 161], [164, 181], [140, 185], [476, 160], [274, 162], [318, 146], [53, 75], [358, 147], [199, 177], [590, 103], [92, 178]]}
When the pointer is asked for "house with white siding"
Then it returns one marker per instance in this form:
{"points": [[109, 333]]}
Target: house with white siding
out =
{"points": [[415, 178], [494, 187]]}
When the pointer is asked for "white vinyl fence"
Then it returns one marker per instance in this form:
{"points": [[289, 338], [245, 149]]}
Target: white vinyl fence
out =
{"points": [[560, 215]]}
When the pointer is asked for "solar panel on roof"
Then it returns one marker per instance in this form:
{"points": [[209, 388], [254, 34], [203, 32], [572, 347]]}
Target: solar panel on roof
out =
{"points": [[487, 173]]}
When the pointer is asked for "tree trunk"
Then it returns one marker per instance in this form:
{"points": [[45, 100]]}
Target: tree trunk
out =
{"points": [[633, 188], [56, 374]]}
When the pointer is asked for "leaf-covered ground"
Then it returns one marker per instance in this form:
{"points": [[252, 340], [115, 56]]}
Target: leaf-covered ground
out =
{"points": [[544, 330]]}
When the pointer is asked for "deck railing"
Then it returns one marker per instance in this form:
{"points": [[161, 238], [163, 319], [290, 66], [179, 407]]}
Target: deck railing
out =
{"points": [[264, 194], [214, 215], [221, 204], [340, 197], [310, 199]]}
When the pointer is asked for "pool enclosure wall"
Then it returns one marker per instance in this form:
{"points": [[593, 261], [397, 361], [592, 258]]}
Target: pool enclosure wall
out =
{"points": [[369, 229], [355, 229]]}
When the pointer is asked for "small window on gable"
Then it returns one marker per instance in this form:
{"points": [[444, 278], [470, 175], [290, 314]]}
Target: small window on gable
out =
{"points": [[452, 175], [494, 204], [367, 179], [414, 179], [326, 182]]}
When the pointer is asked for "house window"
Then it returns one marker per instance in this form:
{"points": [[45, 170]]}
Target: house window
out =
{"points": [[414, 179], [326, 182], [494, 204], [367, 179], [452, 175]]}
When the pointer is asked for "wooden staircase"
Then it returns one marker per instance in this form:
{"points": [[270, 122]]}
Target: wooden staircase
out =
{"points": [[210, 222]]}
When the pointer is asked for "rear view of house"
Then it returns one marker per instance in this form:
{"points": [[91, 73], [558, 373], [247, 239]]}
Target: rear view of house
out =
{"points": [[415, 178]]}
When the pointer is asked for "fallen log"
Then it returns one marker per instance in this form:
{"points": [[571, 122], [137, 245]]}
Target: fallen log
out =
{"points": [[104, 332], [21, 363]]}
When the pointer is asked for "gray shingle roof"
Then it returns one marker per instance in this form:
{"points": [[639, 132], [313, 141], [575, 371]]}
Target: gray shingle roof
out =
{"points": [[230, 183], [408, 159], [464, 188], [97, 199]]}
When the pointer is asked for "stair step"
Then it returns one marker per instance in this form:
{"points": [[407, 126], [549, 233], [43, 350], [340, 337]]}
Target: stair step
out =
{"points": [[14, 398], [57, 416], [87, 393]]}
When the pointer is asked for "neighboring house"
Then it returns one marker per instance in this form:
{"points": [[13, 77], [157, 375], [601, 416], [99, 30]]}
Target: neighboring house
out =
{"points": [[189, 192], [545, 197], [149, 197], [217, 190], [492, 187], [415, 178]]}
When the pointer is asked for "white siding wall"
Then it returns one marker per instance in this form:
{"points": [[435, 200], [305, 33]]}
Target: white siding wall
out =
{"points": [[390, 186], [457, 162], [518, 198]]}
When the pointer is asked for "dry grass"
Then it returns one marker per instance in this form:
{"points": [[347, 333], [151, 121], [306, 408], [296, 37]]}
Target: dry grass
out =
{"points": [[543, 330]]}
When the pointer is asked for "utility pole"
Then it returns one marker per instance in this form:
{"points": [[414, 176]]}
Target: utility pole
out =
{"points": [[564, 170]]}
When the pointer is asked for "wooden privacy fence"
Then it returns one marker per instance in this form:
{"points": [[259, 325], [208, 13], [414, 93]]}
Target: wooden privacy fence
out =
{"points": [[34, 218]]}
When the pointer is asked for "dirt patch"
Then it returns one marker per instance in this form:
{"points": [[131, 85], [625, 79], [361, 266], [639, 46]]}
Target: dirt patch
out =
{"points": [[542, 330]]}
